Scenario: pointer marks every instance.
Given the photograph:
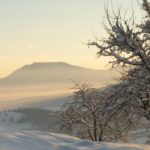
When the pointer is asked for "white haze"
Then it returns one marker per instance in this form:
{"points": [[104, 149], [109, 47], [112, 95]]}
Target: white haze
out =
{"points": [[32, 83]]}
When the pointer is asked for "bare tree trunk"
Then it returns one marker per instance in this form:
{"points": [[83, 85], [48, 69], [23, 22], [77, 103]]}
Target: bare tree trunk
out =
{"points": [[95, 129]]}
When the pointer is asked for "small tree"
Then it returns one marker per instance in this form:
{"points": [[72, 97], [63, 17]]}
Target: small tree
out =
{"points": [[93, 115], [82, 114]]}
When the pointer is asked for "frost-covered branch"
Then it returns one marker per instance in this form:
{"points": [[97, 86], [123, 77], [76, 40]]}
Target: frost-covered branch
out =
{"points": [[127, 42]]}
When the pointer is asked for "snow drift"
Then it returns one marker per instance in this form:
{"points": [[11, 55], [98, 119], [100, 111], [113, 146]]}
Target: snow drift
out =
{"points": [[35, 140]]}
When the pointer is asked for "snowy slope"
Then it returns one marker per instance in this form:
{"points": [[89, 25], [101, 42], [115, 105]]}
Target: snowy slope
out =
{"points": [[10, 120], [31, 140]]}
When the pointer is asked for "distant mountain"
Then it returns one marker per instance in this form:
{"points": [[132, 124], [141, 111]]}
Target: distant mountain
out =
{"points": [[56, 73], [41, 84]]}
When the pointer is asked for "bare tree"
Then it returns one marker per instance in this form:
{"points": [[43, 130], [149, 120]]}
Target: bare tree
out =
{"points": [[97, 115], [127, 42], [138, 80], [110, 113]]}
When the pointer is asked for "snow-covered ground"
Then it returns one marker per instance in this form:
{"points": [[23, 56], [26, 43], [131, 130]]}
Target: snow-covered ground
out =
{"points": [[10, 120], [34, 140], [15, 135], [141, 136]]}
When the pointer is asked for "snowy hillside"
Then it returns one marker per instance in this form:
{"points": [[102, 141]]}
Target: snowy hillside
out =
{"points": [[12, 137], [31, 140]]}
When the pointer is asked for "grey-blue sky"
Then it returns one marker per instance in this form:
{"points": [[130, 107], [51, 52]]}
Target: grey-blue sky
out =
{"points": [[51, 30]]}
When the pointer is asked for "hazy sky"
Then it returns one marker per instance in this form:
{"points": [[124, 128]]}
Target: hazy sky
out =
{"points": [[51, 30]]}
